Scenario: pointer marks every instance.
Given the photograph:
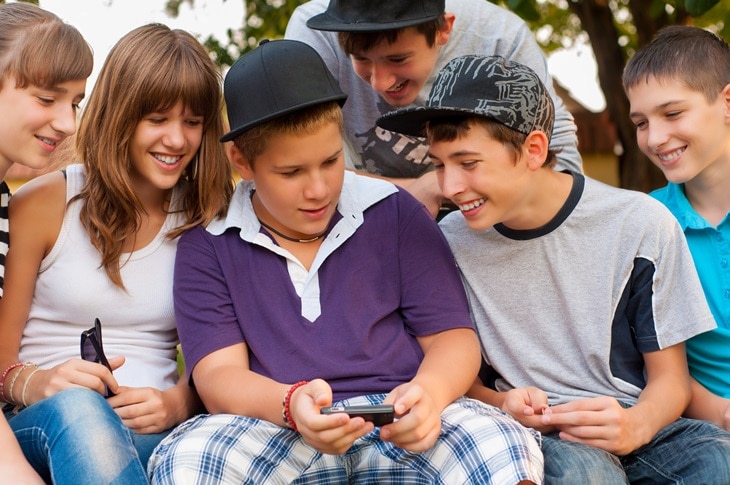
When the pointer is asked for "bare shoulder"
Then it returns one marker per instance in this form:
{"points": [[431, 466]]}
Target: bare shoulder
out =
{"points": [[46, 192], [39, 205]]}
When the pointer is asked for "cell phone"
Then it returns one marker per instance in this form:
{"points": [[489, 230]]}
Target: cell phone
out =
{"points": [[378, 414], [92, 349]]}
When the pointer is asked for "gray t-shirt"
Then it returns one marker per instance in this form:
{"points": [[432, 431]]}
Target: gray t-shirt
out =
{"points": [[480, 28], [571, 306]]}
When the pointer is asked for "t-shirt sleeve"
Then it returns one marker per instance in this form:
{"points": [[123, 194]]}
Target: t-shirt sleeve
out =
{"points": [[432, 293], [325, 43], [203, 307]]}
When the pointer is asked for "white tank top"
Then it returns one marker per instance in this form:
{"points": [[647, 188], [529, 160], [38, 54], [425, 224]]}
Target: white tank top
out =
{"points": [[72, 289]]}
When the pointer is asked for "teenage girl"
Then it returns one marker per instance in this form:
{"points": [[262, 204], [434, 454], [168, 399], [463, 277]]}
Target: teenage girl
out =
{"points": [[98, 240]]}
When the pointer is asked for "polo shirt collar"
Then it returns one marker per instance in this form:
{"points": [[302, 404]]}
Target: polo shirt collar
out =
{"points": [[676, 201], [358, 194]]}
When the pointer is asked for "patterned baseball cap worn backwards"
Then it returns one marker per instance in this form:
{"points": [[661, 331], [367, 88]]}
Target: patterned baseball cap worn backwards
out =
{"points": [[490, 86]]}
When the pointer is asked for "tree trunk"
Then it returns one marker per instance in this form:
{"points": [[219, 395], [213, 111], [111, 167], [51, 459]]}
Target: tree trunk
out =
{"points": [[635, 170]]}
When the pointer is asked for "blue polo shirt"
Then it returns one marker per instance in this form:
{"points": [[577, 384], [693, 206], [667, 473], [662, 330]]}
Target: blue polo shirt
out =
{"points": [[707, 353], [383, 276]]}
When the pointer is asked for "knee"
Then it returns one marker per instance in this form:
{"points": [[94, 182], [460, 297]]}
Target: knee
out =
{"points": [[78, 409], [575, 463]]}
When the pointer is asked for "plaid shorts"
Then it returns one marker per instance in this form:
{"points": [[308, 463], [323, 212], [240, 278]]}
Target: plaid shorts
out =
{"points": [[478, 444]]}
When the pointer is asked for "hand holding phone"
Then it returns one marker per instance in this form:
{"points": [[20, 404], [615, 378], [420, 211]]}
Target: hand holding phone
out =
{"points": [[92, 349], [378, 414]]}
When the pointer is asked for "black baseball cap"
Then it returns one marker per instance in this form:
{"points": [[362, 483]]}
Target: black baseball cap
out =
{"points": [[489, 86], [276, 78], [375, 15]]}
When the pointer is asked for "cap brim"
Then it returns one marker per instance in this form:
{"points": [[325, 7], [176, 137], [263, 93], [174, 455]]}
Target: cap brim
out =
{"points": [[325, 21], [412, 121], [340, 98]]}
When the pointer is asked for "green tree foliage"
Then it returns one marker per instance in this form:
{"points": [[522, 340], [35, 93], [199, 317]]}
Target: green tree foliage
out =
{"points": [[613, 28]]}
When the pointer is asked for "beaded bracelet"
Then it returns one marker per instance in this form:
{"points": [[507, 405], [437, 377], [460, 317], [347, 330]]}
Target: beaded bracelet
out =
{"points": [[25, 386], [9, 397], [7, 371], [286, 412]]}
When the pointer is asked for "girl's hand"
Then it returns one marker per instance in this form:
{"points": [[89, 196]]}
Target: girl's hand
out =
{"points": [[72, 373]]}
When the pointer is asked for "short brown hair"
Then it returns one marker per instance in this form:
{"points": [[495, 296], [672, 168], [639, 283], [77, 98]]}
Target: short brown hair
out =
{"points": [[696, 57], [356, 42], [451, 128], [38, 48]]}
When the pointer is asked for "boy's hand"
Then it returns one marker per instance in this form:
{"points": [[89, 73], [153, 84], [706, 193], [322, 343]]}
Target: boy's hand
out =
{"points": [[527, 405], [419, 422], [331, 434], [601, 422]]}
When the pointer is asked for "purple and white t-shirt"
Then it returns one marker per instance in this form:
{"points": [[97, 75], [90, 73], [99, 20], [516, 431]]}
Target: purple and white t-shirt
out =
{"points": [[383, 276]]}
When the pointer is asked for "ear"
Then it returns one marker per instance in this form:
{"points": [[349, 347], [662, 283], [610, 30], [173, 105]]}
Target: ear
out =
{"points": [[242, 166], [725, 96], [536, 149], [443, 34]]}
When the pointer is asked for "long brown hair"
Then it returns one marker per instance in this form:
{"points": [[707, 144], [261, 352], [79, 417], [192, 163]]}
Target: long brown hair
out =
{"points": [[150, 69], [37, 47]]}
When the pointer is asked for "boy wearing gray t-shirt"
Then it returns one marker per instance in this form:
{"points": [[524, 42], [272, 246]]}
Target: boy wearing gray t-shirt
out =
{"points": [[583, 294]]}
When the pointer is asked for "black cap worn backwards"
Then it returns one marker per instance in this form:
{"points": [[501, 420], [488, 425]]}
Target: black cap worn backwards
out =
{"points": [[276, 78]]}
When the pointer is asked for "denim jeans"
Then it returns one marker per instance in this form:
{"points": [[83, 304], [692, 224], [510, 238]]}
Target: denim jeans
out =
{"points": [[75, 437], [687, 452]]}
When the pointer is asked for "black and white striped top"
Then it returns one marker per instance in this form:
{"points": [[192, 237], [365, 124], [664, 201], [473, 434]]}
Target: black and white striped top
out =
{"points": [[4, 238]]}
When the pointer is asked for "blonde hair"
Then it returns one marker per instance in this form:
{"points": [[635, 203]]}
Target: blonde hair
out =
{"points": [[38, 48], [253, 142], [150, 69]]}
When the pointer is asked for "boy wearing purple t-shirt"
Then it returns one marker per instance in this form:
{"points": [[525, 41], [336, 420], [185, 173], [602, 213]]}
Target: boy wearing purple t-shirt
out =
{"points": [[321, 287]]}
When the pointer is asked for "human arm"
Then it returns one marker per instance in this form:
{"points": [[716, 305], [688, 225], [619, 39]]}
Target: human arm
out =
{"points": [[36, 216], [14, 466], [259, 397], [708, 406], [451, 361], [602, 422]]}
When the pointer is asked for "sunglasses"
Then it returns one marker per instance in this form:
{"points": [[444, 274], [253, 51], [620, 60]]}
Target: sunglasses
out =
{"points": [[92, 348]]}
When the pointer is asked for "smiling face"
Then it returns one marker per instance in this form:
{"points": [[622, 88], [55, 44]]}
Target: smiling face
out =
{"points": [[298, 180], [483, 177], [398, 71], [163, 144], [678, 129], [35, 120]]}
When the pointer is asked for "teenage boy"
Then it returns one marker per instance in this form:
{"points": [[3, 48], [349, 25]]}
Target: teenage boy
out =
{"points": [[679, 89], [323, 287], [386, 53], [582, 294]]}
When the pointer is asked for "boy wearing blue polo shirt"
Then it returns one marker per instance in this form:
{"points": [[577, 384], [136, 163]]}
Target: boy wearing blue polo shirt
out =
{"points": [[322, 287], [582, 294], [679, 89]]}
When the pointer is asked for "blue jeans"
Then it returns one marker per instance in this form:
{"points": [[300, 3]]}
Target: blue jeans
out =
{"points": [[75, 437], [687, 451]]}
